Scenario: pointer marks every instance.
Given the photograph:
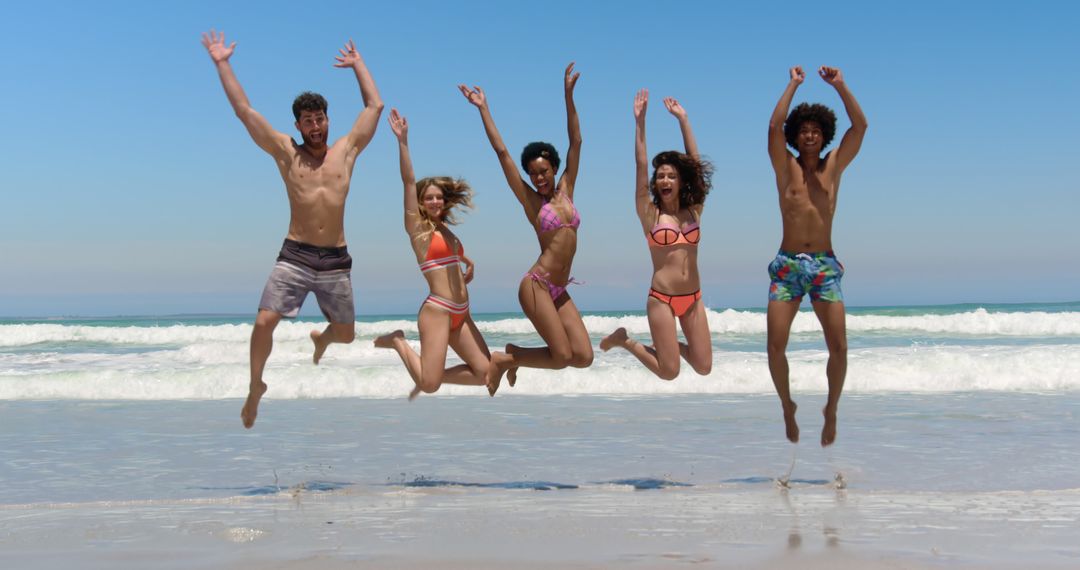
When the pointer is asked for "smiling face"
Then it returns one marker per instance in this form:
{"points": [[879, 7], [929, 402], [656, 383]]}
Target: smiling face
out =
{"points": [[542, 175], [667, 184], [314, 127], [809, 138], [433, 202]]}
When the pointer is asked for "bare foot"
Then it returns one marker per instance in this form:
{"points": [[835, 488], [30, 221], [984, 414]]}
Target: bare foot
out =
{"points": [[320, 346], [617, 338], [415, 392], [828, 432], [496, 370], [511, 374], [251, 406], [790, 425], [387, 340]]}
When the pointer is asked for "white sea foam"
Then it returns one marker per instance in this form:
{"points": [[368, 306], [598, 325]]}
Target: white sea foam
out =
{"points": [[220, 371], [973, 323], [210, 361]]}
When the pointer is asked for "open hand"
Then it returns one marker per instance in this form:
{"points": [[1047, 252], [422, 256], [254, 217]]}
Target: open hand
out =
{"points": [[675, 108], [641, 103], [348, 56], [399, 125], [215, 46], [475, 95]]}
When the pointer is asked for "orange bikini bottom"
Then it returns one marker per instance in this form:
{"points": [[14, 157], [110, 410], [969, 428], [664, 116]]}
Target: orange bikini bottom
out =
{"points": [[679, 304]]}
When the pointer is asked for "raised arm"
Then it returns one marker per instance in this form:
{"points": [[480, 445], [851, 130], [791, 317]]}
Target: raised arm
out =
{"points": [[257, 126], [778, 152], [513, 178], [573, 129], [400, 126], [364, 127], [642, 196], [852, 140], [689, 142]]}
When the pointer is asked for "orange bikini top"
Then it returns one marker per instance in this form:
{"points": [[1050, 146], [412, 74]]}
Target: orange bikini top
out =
{"points": [[440, 254], [664, 235]]}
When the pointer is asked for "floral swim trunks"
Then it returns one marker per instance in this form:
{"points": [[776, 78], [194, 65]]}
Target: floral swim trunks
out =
{"points": [[795, 274]]}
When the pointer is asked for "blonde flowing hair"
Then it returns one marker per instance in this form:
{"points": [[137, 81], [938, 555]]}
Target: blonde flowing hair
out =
{"points": [[456, 192]]}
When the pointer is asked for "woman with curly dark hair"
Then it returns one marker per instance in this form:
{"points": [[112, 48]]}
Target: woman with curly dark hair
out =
{"points": [[550, 210], [669, 207], [444, 318]]}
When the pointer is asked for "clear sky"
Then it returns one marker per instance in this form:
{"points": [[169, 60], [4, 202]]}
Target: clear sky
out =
{"points": [[129, 187]]}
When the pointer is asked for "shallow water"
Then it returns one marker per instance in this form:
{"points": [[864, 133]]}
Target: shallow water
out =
{"points": [[65, 451]]}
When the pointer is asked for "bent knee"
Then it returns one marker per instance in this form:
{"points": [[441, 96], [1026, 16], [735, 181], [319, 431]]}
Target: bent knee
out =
{"points": [[582, 359], [703, 369], [561, 358], [345, 336], [668, 372]]}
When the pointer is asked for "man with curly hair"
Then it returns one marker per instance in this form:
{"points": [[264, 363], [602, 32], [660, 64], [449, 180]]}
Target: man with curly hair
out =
{"points": [[808, 185], [314, 257]]}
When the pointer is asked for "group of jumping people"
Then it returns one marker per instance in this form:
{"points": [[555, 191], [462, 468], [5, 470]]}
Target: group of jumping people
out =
{"points": [[669, 204]]}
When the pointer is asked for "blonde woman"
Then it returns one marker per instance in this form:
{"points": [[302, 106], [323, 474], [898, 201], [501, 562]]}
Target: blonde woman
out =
{"points": [[444, 319]]}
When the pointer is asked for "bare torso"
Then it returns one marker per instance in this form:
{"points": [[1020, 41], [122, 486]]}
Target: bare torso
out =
{"points": [[675, 268], [807, 205], [557, 246], [447, 282], [317, 188]]}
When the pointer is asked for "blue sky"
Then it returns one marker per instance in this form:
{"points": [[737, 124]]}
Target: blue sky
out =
{"points": [[130, 188]]}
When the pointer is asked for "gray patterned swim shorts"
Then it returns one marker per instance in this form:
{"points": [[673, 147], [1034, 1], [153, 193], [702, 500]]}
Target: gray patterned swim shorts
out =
{"points": [[303, 269]]}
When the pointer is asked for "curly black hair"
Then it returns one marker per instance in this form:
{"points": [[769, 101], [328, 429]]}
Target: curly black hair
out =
{"points": [[694, 173], [308, 101], [814, 112], [536, 150]]}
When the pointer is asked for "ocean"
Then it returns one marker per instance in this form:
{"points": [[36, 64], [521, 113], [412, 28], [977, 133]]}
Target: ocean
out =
{"points": [[958, 441]]}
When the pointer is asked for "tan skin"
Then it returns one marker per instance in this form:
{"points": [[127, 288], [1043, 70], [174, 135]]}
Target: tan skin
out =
{"points": [[557, 321], [316, 176], [807, 187], [428, 369], [675, 269]]}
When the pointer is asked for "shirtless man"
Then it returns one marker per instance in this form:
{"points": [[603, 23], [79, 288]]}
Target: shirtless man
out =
{"points": [[314, 257], [808, 186]]}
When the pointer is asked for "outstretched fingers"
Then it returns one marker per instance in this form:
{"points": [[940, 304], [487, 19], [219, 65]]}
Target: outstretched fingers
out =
{"points": [[641, 102], [214, 42], [398, 123], [474, 95], [348, 56]]}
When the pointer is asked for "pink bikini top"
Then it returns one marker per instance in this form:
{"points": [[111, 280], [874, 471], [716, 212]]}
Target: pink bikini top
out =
{"points": [[550, 220]]}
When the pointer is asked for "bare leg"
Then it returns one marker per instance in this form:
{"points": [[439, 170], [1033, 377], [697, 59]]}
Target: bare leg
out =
{"points": [[262, 342], [662, 358], [426, 368], [411, 360], [697, 350], [538, 306], [834, 324], [779, 317], [334, 332]]}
